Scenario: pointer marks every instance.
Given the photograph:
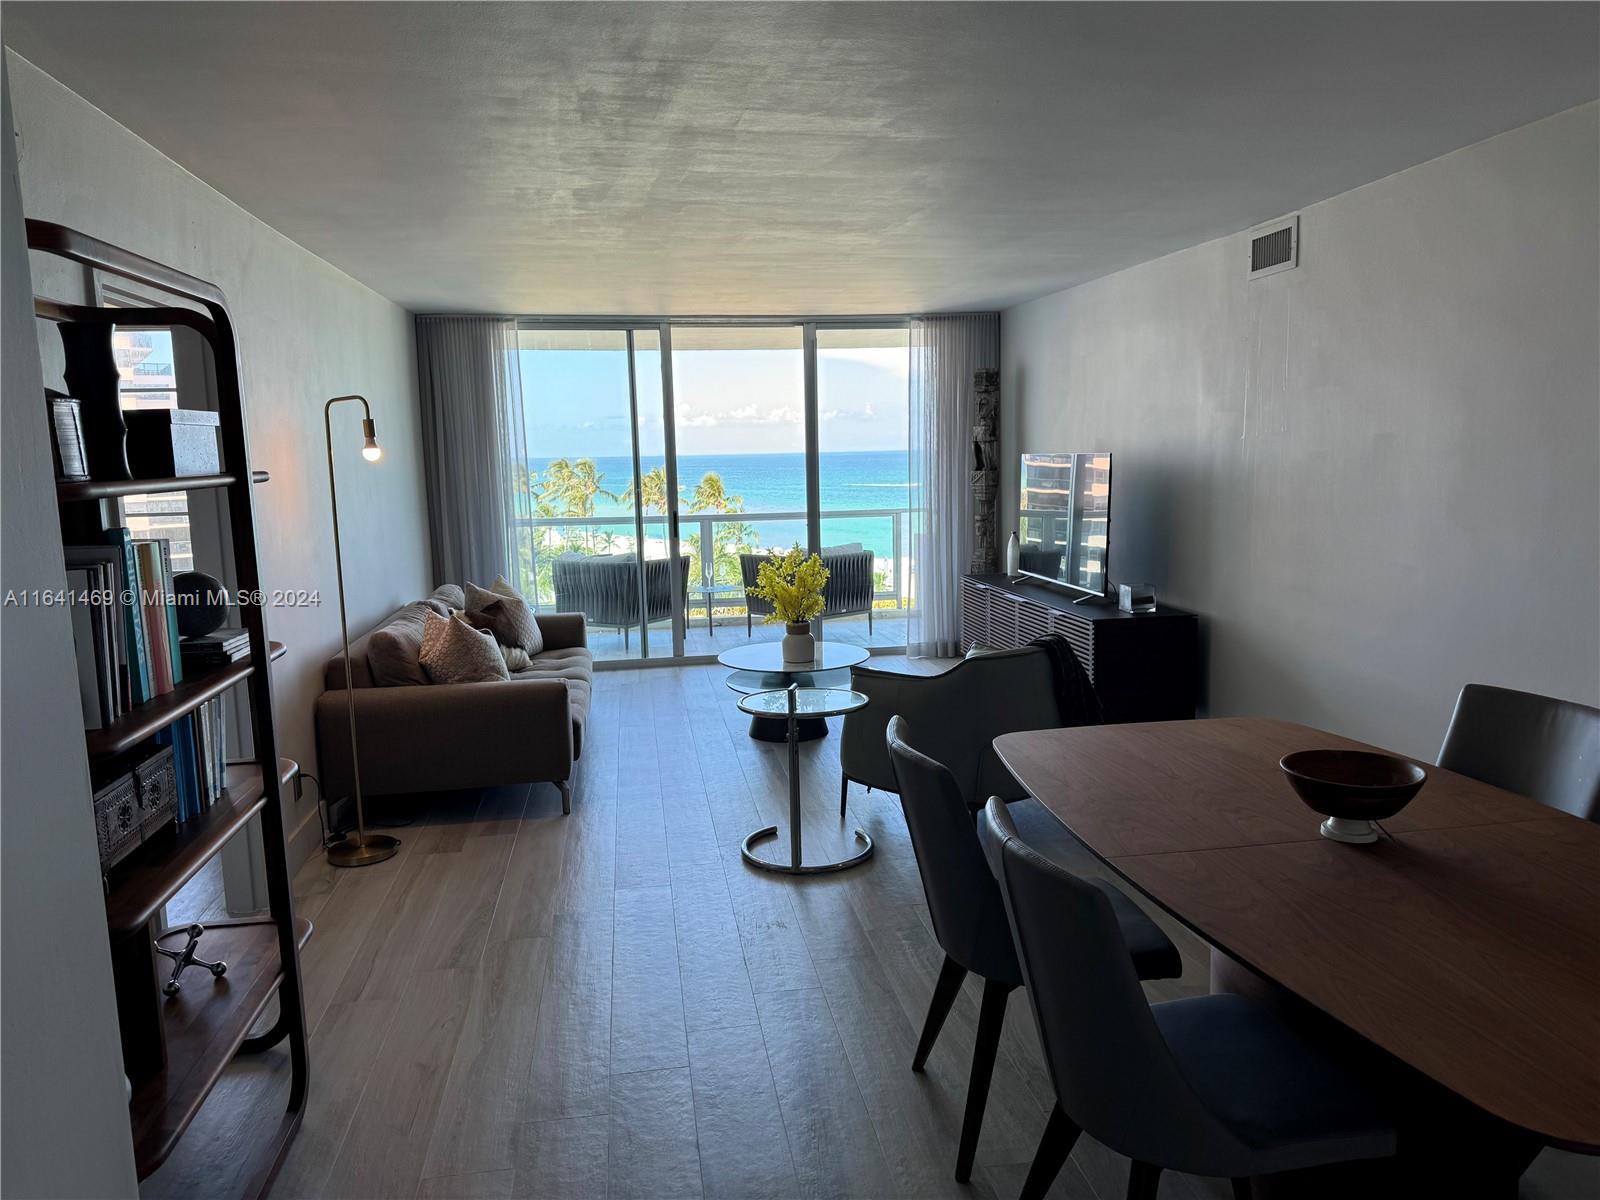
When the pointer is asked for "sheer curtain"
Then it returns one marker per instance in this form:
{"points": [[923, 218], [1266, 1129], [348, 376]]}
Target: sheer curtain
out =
{"points": [[945, 351], [474, 445]]}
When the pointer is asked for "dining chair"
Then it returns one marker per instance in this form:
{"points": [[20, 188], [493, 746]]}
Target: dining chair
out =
{"points": [[1213, 1085], [969, 922], [1536, 746]]}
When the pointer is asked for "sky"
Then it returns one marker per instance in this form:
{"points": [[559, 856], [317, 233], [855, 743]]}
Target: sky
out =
{"points": [[727, 401]]}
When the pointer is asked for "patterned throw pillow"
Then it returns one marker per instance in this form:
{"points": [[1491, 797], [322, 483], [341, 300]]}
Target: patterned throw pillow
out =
{"points": [[455, 652], [501, 609], [516, 657]]}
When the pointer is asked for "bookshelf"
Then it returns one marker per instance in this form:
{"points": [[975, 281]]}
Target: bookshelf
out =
{"points": [[175, 1049]]}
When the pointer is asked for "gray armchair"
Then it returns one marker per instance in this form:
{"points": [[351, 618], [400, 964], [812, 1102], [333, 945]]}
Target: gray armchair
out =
{"points": [[605, 587], [954, 716], [848, 590]]}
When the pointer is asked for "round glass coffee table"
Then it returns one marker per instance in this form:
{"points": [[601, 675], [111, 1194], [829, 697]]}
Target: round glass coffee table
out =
{"points": [[759, 667], [790, 706]]}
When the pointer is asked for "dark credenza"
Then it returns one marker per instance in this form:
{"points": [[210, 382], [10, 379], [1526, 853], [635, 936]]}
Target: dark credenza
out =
{"points": [[1144, 666]]}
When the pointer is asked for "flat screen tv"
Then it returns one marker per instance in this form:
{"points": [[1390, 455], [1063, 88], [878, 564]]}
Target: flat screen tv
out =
{"points": [[1064, 519]]}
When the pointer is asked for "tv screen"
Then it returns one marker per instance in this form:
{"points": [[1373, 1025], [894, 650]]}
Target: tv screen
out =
{"points": [[1064, 518]]}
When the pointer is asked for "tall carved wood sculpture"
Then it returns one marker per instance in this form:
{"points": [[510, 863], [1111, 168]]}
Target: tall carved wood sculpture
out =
{"points": [[985, 472]]}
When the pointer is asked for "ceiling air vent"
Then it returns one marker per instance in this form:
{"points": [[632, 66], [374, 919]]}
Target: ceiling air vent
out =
{"points": [[1275, 247]]}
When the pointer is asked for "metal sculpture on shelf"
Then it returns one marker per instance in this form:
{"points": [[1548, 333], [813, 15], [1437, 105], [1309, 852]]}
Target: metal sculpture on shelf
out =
{"points": [[985, 472], [183, 959]]}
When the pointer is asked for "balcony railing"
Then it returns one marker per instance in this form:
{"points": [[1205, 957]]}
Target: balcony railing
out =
{"points": [[543, 539]]}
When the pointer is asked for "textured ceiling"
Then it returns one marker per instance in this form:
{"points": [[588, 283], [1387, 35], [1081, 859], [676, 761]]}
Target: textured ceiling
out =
{"points": [[793, 158]]}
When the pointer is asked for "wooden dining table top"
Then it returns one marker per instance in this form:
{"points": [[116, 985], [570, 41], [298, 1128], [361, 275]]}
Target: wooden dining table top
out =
{"points": [[1465, 941]]}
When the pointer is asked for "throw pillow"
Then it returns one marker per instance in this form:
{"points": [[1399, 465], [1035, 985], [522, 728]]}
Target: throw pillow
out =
{"points": [[455, 652], [516, 657], [528, 631], [506, 614]]}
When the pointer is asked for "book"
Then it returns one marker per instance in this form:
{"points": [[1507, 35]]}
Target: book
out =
{"points": [[171, 607], [152, 608], [121, 539], [105, 565], [95, 714], [217, 648], [183, 763]]}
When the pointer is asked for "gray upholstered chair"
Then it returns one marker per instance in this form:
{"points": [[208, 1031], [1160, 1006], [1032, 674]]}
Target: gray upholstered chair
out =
{"points": [[970, 922], [1214, 1085], [848, 590], [605, 587], [1545, 749], [956, 714]]}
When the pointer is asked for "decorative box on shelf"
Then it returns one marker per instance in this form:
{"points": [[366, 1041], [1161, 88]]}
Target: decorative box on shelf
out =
{"points": [[157, 778], [116, 820], [172, 442], [135, 805]]}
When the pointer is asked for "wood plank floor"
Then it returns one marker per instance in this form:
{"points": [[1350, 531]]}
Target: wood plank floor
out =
{"points": [[611, 1004]]}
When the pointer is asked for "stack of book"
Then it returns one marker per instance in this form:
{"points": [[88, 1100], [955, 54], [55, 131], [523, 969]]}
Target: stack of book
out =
{"points": [[215, 649], [124, 624], [207, 753]]}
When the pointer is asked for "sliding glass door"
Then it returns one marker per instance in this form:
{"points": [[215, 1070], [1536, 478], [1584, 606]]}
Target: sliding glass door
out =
{"points": [[739, 398], [594, 516], [666, 457], [863, 466]]}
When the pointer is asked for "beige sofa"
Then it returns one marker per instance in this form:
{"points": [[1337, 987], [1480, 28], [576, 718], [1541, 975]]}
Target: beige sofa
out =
{"points": [[427, 737]]}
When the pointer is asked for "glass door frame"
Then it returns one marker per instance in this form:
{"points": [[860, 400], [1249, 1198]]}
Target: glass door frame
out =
{"points": [[662, 327]]}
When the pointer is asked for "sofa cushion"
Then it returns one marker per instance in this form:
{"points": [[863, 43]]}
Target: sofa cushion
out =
{"points": [[574, 667], [455, 652], [394, 652]]}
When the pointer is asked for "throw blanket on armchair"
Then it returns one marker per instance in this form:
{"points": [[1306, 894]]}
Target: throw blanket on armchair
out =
{"points": [[1075, 695]]}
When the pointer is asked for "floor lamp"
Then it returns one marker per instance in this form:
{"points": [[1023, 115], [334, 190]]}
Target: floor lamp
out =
{"points": [[360, 849]]}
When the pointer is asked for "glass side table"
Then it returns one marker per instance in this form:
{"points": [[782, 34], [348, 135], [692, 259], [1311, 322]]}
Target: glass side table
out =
{"points": [[792, 705]]}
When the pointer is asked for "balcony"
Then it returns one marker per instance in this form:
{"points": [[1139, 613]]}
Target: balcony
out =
{"points": [[606, 587]]}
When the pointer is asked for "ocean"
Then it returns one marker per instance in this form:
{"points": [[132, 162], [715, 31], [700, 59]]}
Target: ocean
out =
{"points": [[851, 480]]}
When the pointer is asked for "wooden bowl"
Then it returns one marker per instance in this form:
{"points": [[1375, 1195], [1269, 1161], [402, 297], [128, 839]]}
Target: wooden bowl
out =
{"points": [[1352, 788]]}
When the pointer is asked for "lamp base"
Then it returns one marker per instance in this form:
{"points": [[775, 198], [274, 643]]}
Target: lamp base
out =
{"points": [[362, 849]]}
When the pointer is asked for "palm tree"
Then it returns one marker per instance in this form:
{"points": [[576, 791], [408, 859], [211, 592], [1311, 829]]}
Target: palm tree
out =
{"points": [[652, 491], [711, 496]]}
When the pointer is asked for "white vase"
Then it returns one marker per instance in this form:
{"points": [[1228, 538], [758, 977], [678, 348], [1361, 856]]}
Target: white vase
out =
{"points": [[798, 644], [1013, 555]]}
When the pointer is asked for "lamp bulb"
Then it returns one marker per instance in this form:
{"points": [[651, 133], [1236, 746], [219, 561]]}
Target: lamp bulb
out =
{"points": [[372, 452]]}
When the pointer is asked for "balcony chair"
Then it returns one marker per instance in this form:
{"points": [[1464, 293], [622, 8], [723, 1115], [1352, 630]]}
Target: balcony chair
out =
{"points": [[1214, 1085], [1545, 749], [605, 587], [848, 590], [970, 923]]}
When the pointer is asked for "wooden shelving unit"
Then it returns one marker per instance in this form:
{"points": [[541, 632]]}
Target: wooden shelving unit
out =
{"points": [[205, 1025], [155, 715], [109, 489], [175, 1049], [139, 885]]}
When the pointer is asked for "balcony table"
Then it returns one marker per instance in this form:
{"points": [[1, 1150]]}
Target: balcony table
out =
{"points": [[1465, 942]]}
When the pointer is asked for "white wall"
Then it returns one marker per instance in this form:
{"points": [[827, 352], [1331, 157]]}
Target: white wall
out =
{"points": [[307, 331], [1377, 476], [65, 1131]]}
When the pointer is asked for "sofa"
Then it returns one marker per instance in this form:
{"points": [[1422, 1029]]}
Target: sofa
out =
{"points": [[848, 590], [423, 737], [605, 587]]}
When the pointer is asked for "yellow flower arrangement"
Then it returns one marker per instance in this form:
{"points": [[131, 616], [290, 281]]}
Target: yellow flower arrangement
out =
{"points": [[792, 584]]}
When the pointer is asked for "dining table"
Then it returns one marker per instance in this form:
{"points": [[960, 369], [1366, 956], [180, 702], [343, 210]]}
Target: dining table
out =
{"points": [[1464, 942]]}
